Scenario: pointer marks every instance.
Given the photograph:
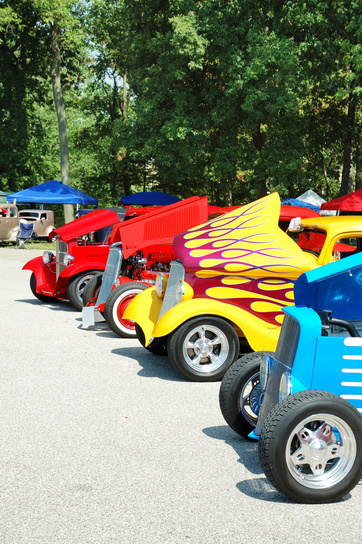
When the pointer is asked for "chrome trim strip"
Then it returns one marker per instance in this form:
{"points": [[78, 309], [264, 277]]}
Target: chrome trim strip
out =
{"points": [[111, 272], [177, 272]]}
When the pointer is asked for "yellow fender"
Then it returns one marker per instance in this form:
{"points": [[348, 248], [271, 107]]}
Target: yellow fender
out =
{"points": [[145, 308], [259, 336]]}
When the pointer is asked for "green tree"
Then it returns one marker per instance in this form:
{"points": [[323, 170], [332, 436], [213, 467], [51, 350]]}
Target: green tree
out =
{"points": [[328, 36], [41, 38]]}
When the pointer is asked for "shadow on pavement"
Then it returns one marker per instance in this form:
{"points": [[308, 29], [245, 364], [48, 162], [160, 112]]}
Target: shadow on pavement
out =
{"points": [[247, 450], [57, 305], [153, 366]]}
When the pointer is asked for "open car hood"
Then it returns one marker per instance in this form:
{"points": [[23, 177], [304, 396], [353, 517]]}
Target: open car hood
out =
{"points": [[336, 286], [247, 242], [160, 226], [92, 221]]}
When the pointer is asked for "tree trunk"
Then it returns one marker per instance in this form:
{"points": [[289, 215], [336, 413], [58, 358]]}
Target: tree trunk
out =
{"points": [[326, 177], [347, 179], [259, 139], [358, 178], [62, 121], [125, 105], [228, 198]]}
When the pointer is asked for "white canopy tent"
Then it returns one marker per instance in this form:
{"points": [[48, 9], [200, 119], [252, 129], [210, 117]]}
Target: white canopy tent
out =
{"points": [[313, 198]]}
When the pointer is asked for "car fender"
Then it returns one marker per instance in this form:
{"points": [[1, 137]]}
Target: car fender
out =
{"points": [[144, 309], [75, 269], [124, 279], [35, 265], [44, 275], [258, 334]]}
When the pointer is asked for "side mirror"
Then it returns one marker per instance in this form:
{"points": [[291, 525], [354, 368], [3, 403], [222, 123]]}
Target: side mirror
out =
{"points": [[295, 224]]}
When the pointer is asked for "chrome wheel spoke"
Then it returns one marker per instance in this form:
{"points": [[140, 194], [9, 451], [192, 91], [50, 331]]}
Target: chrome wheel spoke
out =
{"points": [[320, 450], [205, 348], [213, 358], [196, 360], [214, 341]]}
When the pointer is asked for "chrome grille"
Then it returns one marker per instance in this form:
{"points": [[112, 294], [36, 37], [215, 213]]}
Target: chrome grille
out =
{"points": [[111, 273], [283, 361], [177, 272], [61, 249], [288, 340]]}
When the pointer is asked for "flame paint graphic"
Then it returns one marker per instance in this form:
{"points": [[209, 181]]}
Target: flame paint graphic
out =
{"points": [[244, 258]]}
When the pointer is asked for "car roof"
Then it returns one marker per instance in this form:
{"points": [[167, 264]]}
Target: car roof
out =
{"points": [[330, 222]]}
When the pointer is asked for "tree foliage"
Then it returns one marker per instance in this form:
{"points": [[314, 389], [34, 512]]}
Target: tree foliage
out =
{"points": [[230, 99]]}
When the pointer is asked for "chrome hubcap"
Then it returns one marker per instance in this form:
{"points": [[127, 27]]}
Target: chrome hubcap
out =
{"points": [[321, 451], [205, 348], [81, 285], [251, 398]]}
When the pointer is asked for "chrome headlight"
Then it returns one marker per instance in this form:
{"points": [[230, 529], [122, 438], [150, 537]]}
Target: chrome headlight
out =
{"points": [[160, 285], [285, 386], [68, 259], [265, 366], [48, 257], [180, 291]]}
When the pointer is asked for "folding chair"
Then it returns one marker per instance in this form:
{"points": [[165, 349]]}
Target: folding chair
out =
{"points": [[26, 234]]}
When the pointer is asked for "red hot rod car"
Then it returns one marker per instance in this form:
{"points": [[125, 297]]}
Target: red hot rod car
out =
{"points": [[82, 246], [81, 251]]}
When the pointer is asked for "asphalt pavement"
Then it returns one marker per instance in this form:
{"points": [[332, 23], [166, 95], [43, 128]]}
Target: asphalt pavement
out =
{"points": [[103, 443]]}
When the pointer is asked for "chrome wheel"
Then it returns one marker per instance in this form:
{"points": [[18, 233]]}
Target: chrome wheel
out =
{"points": [[205, 348], [241, 394], [310, 447], [321, 451], [76, 286], [250, 399], [81, 285]]}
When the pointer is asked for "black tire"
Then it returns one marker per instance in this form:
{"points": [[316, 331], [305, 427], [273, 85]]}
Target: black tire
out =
{"points": [[43, 298], [315, 424], [115, 306], [215, 346], [91, 288], [240, 393], [76, 285], [158, 346]]}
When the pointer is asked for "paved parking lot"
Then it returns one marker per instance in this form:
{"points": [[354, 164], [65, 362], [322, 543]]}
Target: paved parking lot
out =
{"points": [[103, 443]]}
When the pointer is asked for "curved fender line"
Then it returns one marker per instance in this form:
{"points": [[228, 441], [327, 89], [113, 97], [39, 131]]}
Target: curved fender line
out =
{"points": [[259, 334]]}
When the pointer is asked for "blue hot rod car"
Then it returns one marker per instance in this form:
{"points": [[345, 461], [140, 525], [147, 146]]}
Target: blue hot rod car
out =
{"points": [[304, 402]]}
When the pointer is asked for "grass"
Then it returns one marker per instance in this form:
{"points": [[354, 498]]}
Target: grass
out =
{"points": [[43, 245], [37, 244]]}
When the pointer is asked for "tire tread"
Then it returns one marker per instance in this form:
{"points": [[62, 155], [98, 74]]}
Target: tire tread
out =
{"points": [[275, 418]]}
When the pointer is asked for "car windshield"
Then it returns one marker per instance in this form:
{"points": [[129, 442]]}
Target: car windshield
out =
{"points": [[309, 239], [29, 214]]}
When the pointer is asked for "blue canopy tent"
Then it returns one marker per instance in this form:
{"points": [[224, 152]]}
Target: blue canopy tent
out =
{"points": [[149, 198], [52, 192], [297, 202]]}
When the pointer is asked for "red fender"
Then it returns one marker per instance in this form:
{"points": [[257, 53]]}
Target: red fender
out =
{"points": [[74, 269], [45, 275], [34, 265]]}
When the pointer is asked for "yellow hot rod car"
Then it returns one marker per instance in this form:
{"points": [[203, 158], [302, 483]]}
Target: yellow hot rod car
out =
{"points": [[233, 276]]}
